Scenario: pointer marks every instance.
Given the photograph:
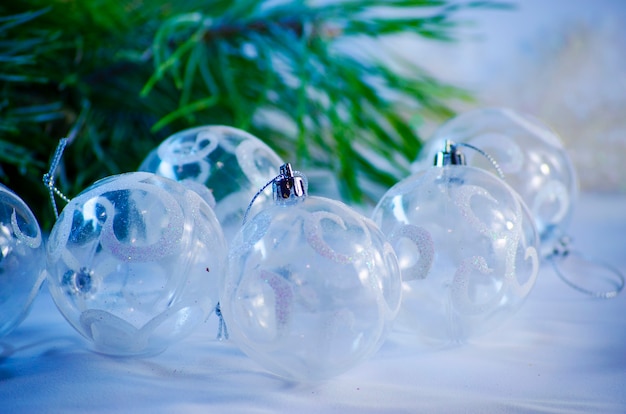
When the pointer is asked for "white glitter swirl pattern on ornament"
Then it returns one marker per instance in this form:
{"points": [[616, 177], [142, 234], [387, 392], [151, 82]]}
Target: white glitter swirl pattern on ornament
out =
{"points": [[312, 288], [127, 263]]}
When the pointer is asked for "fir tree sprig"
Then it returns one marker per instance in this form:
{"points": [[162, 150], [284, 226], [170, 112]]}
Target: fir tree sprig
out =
{"points": [[282, 70]]}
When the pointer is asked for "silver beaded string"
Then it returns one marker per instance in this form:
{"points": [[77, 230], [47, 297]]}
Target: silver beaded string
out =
{"points": [[222, 330], [286, 173], [485, 154], [256, 195], [48, 178], [562, 251]]}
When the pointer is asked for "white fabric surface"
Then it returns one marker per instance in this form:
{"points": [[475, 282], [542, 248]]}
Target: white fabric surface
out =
{"points": [[563, 352]]}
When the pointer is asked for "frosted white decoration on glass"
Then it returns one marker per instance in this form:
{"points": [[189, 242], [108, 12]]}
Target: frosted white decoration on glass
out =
{"points": [[467, 248], [312, 288], [532, 157], [22, 260], [134, 263], [230, 163]]}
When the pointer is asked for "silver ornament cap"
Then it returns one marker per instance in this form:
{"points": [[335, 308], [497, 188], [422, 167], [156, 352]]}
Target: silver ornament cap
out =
{"points": [[288, 187], [450, 155]]}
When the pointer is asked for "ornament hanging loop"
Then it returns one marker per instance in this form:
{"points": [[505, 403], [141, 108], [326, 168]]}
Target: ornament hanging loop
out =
{"points": [[562, 252], [287, 186], [222, 330], [451, 155], [48, 178]]}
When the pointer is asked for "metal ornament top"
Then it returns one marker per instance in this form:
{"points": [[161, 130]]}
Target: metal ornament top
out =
{"points": [[450, 155], [287, 186]]}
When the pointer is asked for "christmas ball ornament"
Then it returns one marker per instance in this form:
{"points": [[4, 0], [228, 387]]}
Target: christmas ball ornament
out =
{"points": [[467, 248], [134, 263], [312, 285], [22, 260], [223, 164], [531, 156]]}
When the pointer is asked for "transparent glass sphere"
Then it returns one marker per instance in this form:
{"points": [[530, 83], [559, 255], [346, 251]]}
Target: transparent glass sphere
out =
{"points": [[531, 156], [134, 263], [312, 288], [228, 162], [467, 249], [22, 260]]}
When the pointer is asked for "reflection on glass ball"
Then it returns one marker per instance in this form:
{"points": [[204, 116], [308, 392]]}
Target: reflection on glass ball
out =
{"points": [[467, 249], [311, 288], [532, 157], [22, 260], [134, 263], [232, 164]]}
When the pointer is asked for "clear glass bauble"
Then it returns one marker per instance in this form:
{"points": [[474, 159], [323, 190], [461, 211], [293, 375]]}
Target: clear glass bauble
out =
{"points": [[22, 260], [134, 263], [467, 249], [531, 156], [232, 164], [312, 288]]}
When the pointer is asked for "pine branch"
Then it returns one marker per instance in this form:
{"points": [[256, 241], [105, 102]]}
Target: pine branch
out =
{"points": [[151, 68]]}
